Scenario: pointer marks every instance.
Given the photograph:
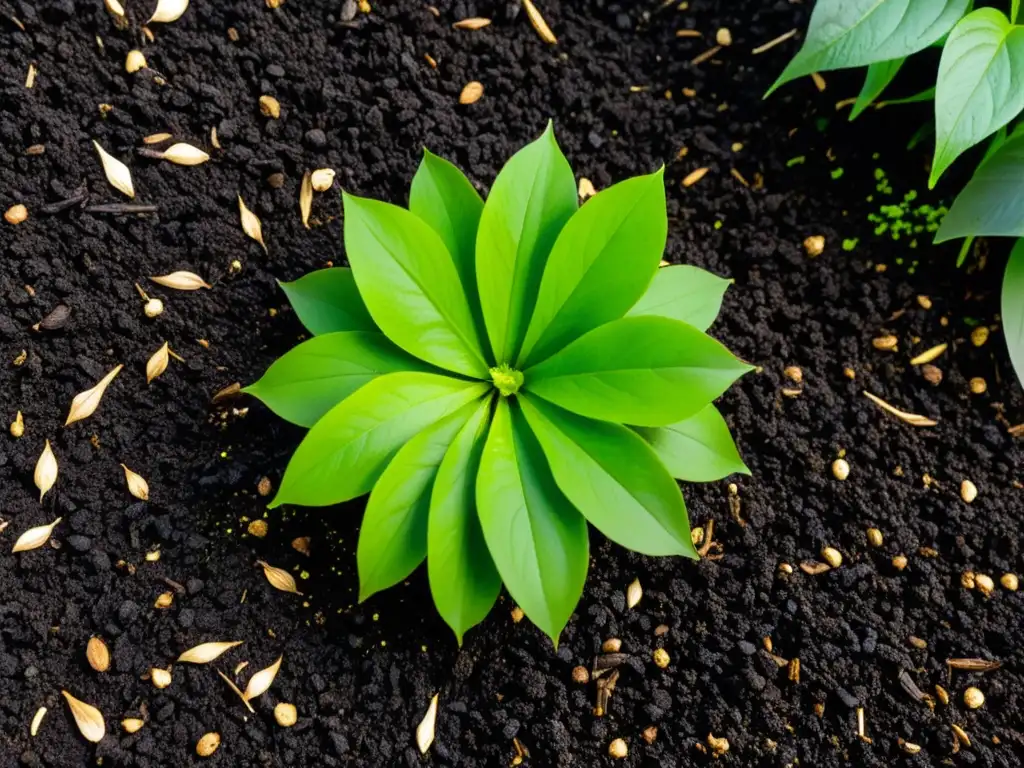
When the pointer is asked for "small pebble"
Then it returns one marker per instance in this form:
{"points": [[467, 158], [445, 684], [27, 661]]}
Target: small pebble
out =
{"points": [[611, 645], [841, 469], [968, 491], [973, 697], [618, 749], [1009, 581]]}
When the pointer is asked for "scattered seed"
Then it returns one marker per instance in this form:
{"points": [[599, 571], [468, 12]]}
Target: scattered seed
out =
{"points": [[270, 107], [974, 665], [1009, 581], [302, 544], [979, 335], [618, 749], [794, 670], [37, 721], [114, 7], [908, 685], [723, 36], [134, 62], [961, 735], [650, 733], [207, 652], [661, 657], [973, 697], [472, 92], [55, 320], [157, 364], [260, 682], [874, 537], [251, 224], [841, 469], [164, 600], [425, 730], [117, 173], [184, 154], [258, 528], [917, 642], [967, 580], [910, 418], [18, 425], [701, 58], [908, 747], [942, 694], [794, 374], [813, 567], [234, 688], [538, 23], [85, 403], [430, 60], [181, 281], [984, 584], [279, 578], [46, 470], [88, 719], [634, 592], [819, 81], [207, 744], [832, 556], [814, 245], [306, 198], [168, 10], [580, 675], [161, 677], [899, 562], [16, 214], [978, 385], [586, 188], [968, 491], [285, 714], [97, 654], [932, 374], [694, 176], [153, 307], [774, 41], [473, 23], [929, 354], [785, 568], [156, 138], [132, 724], [885, 343], [30, 78], [719, 745], [607, 661], [322, 179], [688, 33], [264, 487]]}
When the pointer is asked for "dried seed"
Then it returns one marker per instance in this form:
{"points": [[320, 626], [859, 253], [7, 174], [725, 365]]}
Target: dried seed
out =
{"points": [[46, 470], [285, 714], [164, 600], [161, 677], [885, 343], [794, 670], [181, 281], [264, 488], [932, 374], [929, 354], [168, 10], [85, 403], [55, 320], [785, 568], [961, 735], [917, 642], [279, 578], [973, 697], [814, 245], [841, 469], [832, 556], [661, 658], [708, 54], [694, 176], [153, 307], [322, 179], [18, 425], [581, 675], [114, 7], [214, 140], [37, 721], [258, 528], [156, 138], [979, 335], [260, 682], [968, 491], [633, 593], [184, 154], [157, 364], [723, 36], [472, 23], [306, 198], [207, 744], [97, 654], [472, 92], [942, 694], [910, 418], [813, 567], [538, 23], [819, 81], [117, 173], [88, 719], [650, 734], [137, 485], [984, 584], [228, 392], [908, 747], [16, 214], [874, 537], [974, 665], [234, 688], [719, 746], [270, 107], [794, 374], [1009, 581], [301, 544], [206, 652], [611, 645], [688, 33], [967, 580], [425, 730], [586, 188], [30, 78], [251, 224], [899, 562], [977, 385], [134, 62], [153, 556], [132, 724]]}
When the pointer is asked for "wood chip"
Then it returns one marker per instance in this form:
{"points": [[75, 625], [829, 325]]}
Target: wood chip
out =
{"points": [[85, 403], [279, 578], [538, 23], [88, 719], [910, 418]]}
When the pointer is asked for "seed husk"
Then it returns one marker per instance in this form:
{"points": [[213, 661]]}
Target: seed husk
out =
{"points": [[302, 545], [961, 735], [814, 245], [813, 567], [661, 657], [85, 403], [634, 592], [1009, 581], [968, 491], [581, 675], [279, 578], [34, 538], [723, 36], [606, 661], [973, 664], [885, 343], [285, 714], [156, 138], [908, 747], [984, 584], [135, 61], [37, 721], [184, 154], [204, 653], [251, 224], [161, 677], [472, 92], [207, 744], [18, 425], [973, 697], [164, 600], [46, 471], [586, 188], [474, 23], [88, 719], [56, 319], [132, 724], [137, 485], [910, 418], [538, 23], [157, 364], [719, 745], [694, 176], [425, 730], [117, 173], [322, 179], [306, 198], [168, 10], [114, 7], [929, 354], [16, 214], [181, 281], [153, 307], [97, 654], [270, 107], [618, 749], [260, 682]]}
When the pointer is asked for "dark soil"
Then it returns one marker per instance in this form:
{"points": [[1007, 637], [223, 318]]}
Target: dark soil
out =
{"points": [[358, 96]]}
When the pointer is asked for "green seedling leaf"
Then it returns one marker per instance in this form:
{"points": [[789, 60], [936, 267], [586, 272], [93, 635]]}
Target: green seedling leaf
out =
{"points": [[318, 374], [980, 86], [990, 203], [698, 449], [443, 197], [327, 301], [346, 451], [681, 292], [853, 33], [531, 200], [410, 285], [926, 95], [877, 79], [393, 537], [648, 371], [463, 579], [538, 541], [1014, 10], [602, 262], [1013, 308], [614, 479]]}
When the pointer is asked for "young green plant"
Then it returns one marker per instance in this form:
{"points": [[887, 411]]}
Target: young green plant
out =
{"points": [[497, 375]]}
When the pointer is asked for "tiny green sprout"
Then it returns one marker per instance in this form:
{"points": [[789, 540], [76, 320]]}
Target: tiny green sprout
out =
{"points": [[850, 243], [798, 160], [496, 375], [836, 174], [718, 224]]}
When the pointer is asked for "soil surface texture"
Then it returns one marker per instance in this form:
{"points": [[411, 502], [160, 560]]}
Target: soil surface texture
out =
{"points": [[359, 95]]}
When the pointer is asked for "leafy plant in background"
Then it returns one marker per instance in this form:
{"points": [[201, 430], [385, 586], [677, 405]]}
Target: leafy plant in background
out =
{"points": [[474, 373], [979, 93]]}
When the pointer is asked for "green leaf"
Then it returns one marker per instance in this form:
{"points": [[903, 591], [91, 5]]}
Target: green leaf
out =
{"points": [[345, 452], [463, 579], [649, 371], [698, 449], [990, 203], [1014, 10], [686, 293], [852, 33], [393, 536], [877, 79], [926, 95], [443, 197], [310, 379], [537, 540], [410, 285], [980, 87], [327, 301], [614, 479], [531, 200], [1013, 308], [602, 262]]}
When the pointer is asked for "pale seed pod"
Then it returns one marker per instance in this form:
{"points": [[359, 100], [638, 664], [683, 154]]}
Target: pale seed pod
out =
{"points": [[97, 654], [46, 470], [306, 198], [161, 677], [207, 744], [611, 645], [694, 176], [270, 107], [984, 584], [285, 714], [538, 23], [132, 724], [18, 425], [164, 600], [168, 10], [37, 721], [157, 364], [260, 682], [471, 93], [156, 138], [279, 578], [250, 223], [184, 154], [425, 730], [114, 7], [85, 403], [135, 61], [207, 652], [117, 173], [634, 592], [34, 538], [323, 179], [153, 308], [181, 281], [137, 485], [88, 719], [16, 214]]}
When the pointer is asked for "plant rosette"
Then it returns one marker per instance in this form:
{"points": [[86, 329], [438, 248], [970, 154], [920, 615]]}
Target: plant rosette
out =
{"points": [[497, 375]]}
